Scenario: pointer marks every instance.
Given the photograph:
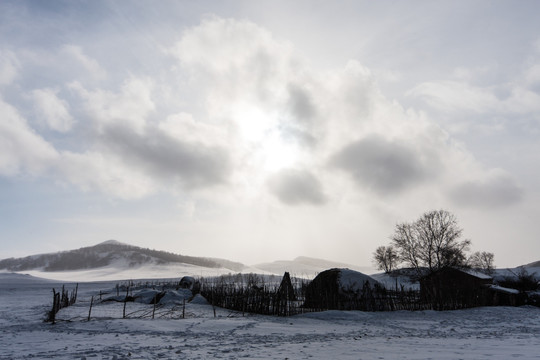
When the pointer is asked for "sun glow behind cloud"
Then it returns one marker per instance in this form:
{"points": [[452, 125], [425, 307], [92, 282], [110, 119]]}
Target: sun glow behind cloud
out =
{"points": [[260, 132]]}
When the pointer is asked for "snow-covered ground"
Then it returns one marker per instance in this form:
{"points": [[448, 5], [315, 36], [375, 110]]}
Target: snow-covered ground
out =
{"points": [[481, 333]]}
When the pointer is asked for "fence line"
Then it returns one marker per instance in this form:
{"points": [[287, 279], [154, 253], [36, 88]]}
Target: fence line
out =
{"points": [[61, 300]]}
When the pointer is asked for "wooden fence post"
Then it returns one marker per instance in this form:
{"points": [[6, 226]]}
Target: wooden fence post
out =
{"points": [[52, 314], [125, 302], [184, 309], [90, 311], [213, 306]]}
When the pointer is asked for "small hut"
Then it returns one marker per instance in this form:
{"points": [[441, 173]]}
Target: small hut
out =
{"points": [[342, 289], [190, 283]]}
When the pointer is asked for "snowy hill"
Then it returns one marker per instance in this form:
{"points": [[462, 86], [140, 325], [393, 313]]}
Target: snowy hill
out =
{"points": [[535, 264], [306, 267], [504, 273], [114, 260], [109, 254]]}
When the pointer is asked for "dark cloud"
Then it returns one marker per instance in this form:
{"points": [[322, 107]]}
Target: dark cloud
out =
{"points": [[498, 191], [160, 155], [303, 112], [297, 187], [383, 166], [300, 104]]}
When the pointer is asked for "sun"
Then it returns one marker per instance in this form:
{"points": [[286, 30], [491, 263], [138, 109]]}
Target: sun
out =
{"points": [[278, 153], [266, 140]]}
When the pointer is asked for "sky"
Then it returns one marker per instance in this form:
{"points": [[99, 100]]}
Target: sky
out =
{"points": [[258, 131]]}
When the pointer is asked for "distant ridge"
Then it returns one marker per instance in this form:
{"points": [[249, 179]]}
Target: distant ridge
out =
{"points": [[108, 253], [304, 265]]}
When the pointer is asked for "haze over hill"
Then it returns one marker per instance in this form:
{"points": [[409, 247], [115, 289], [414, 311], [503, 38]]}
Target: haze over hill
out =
{"points": [[306, 266], [113, 260], [116, 260], [110, 253]]}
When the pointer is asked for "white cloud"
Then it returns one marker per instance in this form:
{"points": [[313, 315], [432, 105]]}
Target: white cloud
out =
{"points": [[479, 91], [89, 64], [532, 75], [228, 46], [128, 107], [269, 123], [239, 67], [9, 67], [52, 109], [522, 101], [456, 96], [262, 86], [176, 151], [94, 171], [22, 150], [183, 126]]}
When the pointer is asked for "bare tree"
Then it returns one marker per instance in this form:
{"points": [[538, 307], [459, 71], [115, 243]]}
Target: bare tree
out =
{"points": [[431, 242], [386, 258], [407, 245], [482, 261]]}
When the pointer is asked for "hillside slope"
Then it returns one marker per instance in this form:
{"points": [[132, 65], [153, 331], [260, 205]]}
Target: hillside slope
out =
{"points": [[108, 253]]}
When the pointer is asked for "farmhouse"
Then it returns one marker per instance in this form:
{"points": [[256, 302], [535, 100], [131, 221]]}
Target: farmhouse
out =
{"points": [[502, 296], [453, 288]]}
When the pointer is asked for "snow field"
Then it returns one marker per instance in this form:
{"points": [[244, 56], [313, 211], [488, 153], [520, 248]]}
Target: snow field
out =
{"points": [[480, 333]]}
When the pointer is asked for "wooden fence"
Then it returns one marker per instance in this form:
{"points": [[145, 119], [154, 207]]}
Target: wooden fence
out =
{"points": [[269, 299], [61, 300]]}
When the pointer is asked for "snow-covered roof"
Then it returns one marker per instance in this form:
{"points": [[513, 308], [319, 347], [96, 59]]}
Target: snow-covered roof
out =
{"points": [[477, 274], [354, 280], [503, 289]]}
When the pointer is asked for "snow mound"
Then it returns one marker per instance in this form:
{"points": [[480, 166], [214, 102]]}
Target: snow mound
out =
{"points": [[176, 296], [149, 296], [199, 300]]}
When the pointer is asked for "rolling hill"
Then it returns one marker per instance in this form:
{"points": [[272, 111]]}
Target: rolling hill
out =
{"points": [[107, 254]]}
